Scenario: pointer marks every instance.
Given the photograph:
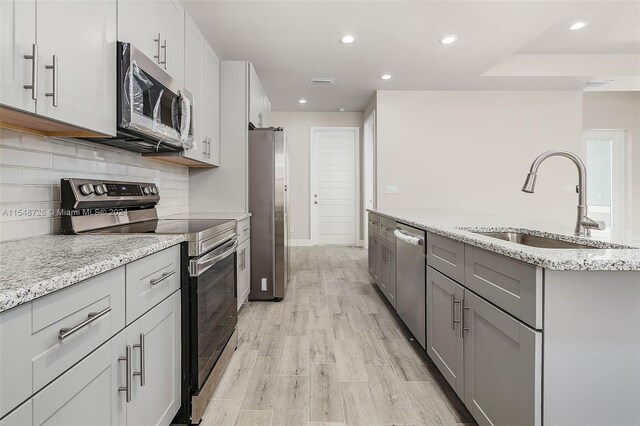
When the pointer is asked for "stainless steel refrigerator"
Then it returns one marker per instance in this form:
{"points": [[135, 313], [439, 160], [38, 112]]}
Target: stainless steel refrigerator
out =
{"points": [[269, 204]]}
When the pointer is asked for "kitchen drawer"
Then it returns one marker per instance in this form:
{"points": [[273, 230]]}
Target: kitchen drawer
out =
{"points": [[511, 284], [243, 229], [150, 280], [32, 352], [387, 226], [446, 255], [374, 223]]}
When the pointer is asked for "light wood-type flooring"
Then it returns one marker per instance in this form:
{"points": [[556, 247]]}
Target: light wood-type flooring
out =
{"points": [[333, 351]]}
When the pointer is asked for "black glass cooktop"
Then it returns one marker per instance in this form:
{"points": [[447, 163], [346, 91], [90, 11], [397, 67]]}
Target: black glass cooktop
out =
{"points": [[187, 227]]}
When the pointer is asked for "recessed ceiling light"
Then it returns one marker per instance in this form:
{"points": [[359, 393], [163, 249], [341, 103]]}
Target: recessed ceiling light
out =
{"points": [[595, 83], [577, 26], [448, 39], [302, 101], [341, 109], [347, 39], [385, 76]]}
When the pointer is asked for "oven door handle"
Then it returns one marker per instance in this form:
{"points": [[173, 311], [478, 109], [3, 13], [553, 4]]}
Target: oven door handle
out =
{"points": [[198, 266]]}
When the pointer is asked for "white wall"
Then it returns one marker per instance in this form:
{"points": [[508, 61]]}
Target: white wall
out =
{"points": [[619, 111], [297, 126], [472, 150], [31, 168]]}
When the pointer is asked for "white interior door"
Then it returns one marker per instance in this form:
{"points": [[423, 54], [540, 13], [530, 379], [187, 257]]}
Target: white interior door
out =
{"points": [[606, 189], [334, 186], [369, 170]]}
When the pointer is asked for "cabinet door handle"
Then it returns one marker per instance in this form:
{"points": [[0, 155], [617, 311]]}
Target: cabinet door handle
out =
{"points": [[157, 56], [164, 276], [54, 68], [462, 327], [127, 362], [91, 317], [141, 373], [164, 47], [453, 312], [34, 72]]}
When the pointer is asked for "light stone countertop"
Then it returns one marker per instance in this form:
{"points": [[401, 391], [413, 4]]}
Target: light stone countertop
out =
{"points": [[34, 267], [448, 223]]}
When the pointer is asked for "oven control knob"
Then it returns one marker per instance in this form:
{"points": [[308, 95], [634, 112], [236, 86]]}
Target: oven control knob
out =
{"points": [[154, 190], [146, 190], [86, 189], [100, 189]]}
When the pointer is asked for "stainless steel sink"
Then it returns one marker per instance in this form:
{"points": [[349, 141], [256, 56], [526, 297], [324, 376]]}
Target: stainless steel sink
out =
{"points": [[534, 240]]}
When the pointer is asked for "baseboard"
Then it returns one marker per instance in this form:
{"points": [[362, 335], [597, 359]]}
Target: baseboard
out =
{"points": [[300, 243], [309, 243]]}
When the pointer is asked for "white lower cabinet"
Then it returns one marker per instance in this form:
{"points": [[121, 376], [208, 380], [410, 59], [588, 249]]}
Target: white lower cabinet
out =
{"points": [[444, 331], [502, 366], [96, 390], [155, 381], [88, 393], [244, 271]]}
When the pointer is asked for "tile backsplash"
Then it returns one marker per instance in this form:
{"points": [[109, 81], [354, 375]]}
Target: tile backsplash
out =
{"points": [[31, 168]]}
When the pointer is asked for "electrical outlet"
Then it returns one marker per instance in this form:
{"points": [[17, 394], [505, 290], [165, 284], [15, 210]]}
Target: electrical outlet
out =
{"points": [[263, 285], [305, 190], [392, 189]]}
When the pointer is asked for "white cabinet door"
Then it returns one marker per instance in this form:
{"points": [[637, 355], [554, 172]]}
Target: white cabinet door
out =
{"points": [[193, 80], [17, 38], [502, 366], [444, 333], [211, 105], [254, 96], [137, 24], [244, 271], [77, 63], [88, 393], [155, 338], [171, 29]]}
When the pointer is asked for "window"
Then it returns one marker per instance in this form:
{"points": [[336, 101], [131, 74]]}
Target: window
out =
{"points": [[605, 160]]}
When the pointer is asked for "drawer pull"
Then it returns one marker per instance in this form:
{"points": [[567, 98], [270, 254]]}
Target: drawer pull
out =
{"points": [[141, 373], [127, 362], [162, 278], [93, 316], [245, 229]]}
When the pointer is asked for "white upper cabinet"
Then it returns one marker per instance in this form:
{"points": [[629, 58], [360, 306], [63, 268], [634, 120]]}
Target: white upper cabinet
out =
{"points": [[193, 80], [72, 78], [77, 63], [17, 39], [211, 105], [171, 29], [155, 27], [259, 105], [202, 80]]}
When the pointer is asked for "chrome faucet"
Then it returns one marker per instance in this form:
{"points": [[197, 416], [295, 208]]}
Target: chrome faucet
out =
{"points": [[584, 224]]}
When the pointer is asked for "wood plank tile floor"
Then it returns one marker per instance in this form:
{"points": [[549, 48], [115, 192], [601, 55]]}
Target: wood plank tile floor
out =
{"points": [[331, 352]]}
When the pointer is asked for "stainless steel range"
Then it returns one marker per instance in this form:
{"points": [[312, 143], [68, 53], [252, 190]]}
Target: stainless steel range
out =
{"points": [[209, 305]]}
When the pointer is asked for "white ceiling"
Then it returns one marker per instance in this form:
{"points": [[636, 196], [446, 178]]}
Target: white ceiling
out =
{"points": [[291, 41]]}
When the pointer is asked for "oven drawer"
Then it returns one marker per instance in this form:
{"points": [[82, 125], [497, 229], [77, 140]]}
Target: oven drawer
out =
{"points": [[42, 339], [243, 229], [150, 280]]}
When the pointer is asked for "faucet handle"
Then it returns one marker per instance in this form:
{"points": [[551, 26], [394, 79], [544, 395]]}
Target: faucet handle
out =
{"points": [[589, 223]]}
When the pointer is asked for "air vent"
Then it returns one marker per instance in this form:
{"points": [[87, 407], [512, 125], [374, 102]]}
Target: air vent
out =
{"points": [[322, 80]]}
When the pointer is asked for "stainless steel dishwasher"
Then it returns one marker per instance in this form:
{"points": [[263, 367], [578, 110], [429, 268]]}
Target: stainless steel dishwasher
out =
{"points": [[410, 267]]}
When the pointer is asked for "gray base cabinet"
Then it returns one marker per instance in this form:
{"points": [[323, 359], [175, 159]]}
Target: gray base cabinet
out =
{"points": [[444, 329], [387, 280], [503, 366]]}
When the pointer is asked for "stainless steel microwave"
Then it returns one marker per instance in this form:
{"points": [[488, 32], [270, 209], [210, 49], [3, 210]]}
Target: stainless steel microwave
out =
{"points": [[154, 112]]}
